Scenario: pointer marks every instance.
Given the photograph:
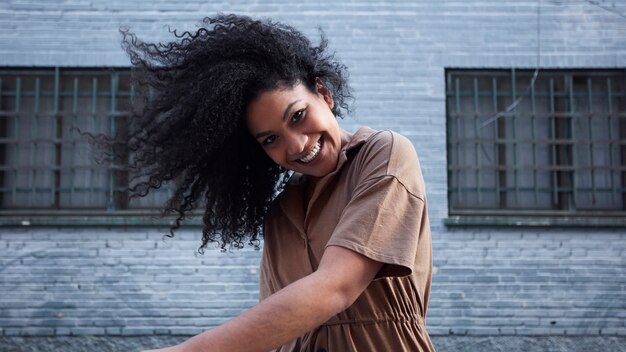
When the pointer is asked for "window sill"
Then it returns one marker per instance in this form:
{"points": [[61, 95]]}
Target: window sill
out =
{"points": [[90, 218], [565, 221]]}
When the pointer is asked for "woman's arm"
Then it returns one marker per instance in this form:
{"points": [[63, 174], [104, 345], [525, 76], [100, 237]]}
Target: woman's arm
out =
{"points": [[289, 313]]}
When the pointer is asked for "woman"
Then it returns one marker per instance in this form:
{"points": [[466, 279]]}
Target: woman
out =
{"points": [[246, 109]]}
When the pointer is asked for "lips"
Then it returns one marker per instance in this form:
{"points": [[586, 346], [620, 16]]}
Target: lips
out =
{"points": [[313, 153]]}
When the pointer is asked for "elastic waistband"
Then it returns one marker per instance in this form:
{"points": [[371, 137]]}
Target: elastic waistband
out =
{"points": [[400, 320]]}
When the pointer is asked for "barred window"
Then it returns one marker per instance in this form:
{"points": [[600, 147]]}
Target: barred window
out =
{"points": [[46, 166], [560, 152]]}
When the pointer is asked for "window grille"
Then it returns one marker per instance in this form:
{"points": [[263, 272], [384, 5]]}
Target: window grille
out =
{"points": [[560, 152], [45, 165]]}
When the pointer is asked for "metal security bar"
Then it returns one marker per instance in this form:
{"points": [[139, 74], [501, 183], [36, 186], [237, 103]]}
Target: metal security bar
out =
{"points": [[46, 167], [560, 152]]}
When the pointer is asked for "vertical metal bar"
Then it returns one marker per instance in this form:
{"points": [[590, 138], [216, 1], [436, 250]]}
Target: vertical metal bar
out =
{"points": [[112, 117], [622, 147], [477, 143], [555, 185], [169, 188], [533, 137], [572, 140], [94, 107], [55, 116], [2, 193], [514, 122], [496, 158], [16, 131], [590, 144], [34, 134], [73, 153], [457, 97], [611, 141]]}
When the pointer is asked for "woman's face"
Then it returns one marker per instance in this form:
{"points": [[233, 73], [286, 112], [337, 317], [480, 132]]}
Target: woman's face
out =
{"points": [[297, 128]]}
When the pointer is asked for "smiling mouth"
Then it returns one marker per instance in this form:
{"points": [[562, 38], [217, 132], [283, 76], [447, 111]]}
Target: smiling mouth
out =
{"points": [[313, 153]]}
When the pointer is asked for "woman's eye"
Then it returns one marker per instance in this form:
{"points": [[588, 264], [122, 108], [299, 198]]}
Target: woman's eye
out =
{"points": [[269, 140], [297, 116]]}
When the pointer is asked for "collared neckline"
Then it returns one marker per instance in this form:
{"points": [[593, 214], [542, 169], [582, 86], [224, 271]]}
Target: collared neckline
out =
{"points": [[296, 187], [358, 138]]}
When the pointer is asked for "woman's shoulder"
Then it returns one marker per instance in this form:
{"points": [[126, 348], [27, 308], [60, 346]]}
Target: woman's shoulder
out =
{"points": [[386, 139], [391, 146], [389, 153]]}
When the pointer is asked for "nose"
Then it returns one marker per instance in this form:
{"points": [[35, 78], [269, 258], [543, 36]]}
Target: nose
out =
{"points": [[296, 142]]}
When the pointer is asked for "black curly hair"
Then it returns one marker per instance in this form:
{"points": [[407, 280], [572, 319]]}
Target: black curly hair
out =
{"points": [[192, 130]]}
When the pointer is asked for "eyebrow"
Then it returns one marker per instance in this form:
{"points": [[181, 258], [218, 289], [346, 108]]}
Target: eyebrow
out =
{"points": [[289, 108], [285, 114]]}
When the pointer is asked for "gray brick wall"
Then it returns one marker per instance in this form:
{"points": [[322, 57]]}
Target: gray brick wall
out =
{"points": [[88, 281], [99, 281], [529, 282], [488, 281]]}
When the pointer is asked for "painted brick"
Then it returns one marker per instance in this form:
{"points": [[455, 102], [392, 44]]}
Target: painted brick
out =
{"points": [[488, 281]]}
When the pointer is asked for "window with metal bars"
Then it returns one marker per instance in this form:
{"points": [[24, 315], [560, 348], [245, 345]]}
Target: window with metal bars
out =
{"points": [[560, 153], [46, 167]]}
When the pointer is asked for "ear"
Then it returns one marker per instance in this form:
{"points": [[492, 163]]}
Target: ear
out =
{"points": [[324, 92]]}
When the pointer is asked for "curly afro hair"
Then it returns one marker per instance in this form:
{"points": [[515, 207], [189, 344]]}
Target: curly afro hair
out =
{"points": [[191, 131]]}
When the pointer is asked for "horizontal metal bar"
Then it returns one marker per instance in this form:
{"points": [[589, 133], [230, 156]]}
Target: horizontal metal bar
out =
{"points": [[538, 93], [91, 189], [486, 212], [64, 93], [507, 167], [22, 141], [49, 71], [104, 113], [89, 167], [543, 116], [472, 141], [519, 72], [82, 212], [532, 189]]}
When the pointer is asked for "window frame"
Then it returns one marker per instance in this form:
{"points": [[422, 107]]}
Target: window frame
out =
{"points": [[521, 217], [113, 214]]}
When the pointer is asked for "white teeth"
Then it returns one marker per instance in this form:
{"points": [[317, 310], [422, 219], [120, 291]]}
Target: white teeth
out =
{"points": [[313, 153]]}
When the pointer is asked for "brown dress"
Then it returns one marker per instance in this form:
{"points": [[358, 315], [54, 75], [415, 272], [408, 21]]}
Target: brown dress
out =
{"points": [[374, 204]]}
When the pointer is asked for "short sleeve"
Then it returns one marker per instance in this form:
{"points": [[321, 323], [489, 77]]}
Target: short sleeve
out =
{"points": [[383, 218], [382, 223]]}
